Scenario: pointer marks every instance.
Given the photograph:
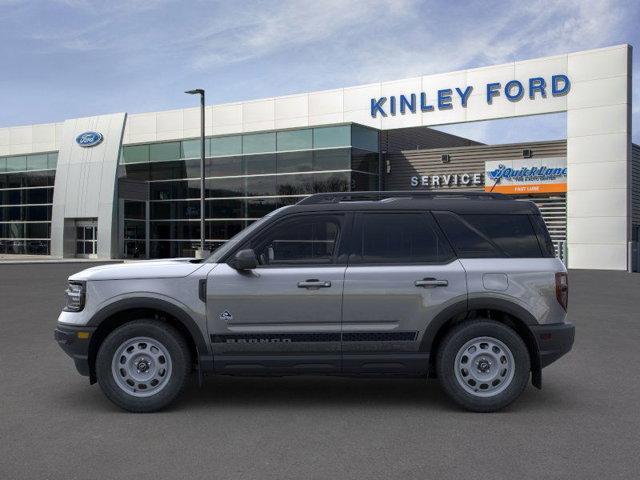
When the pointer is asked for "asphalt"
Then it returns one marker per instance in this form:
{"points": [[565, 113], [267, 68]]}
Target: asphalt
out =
{"points": [[583, 424]]}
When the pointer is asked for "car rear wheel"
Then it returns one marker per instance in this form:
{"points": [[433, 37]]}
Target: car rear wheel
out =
{"points": [[143, 365], [483, 365]]}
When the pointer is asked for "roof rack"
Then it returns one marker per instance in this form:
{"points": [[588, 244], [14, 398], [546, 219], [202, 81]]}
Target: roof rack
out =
{"points": [[382, 195]]}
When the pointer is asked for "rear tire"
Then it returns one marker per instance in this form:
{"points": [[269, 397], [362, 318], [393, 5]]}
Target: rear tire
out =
{"points": [[483, 365], [143, 365]]}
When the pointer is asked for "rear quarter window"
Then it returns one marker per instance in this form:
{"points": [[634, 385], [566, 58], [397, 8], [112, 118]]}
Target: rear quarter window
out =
{"points": [[489, 235]]}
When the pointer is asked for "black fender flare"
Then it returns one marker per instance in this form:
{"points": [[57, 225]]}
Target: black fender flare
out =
{"points": [[203, 349], [525, 318]]}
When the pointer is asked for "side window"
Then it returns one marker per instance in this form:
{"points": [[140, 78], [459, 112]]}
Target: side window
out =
{"points": [[467, 241], [398, 238], [490, 236], [304, 240], [544, 239], [513, 234]]}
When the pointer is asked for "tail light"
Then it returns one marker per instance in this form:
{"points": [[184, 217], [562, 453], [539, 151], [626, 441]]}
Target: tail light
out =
{"points": [[562, 289]]}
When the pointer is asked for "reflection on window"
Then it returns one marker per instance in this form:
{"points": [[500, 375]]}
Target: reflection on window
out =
{"points": [[327, 137], [261, 186], [248, 176], [135, 154], [399, 238], [222, 146], [295, 140], [259, 143], [305, 240], [294, 184], [224, 166], [160, 152], [260, 164], [295, 162], [225, 187]]}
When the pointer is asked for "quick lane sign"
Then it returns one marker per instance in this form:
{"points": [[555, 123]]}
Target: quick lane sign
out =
{"points": [[446, 99], [523, 176]]}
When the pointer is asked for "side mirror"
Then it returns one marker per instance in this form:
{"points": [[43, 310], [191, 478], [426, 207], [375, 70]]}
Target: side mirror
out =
{"points": [[244, 260]]}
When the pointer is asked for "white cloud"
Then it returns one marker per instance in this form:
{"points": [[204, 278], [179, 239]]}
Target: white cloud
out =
{"points": [[259, 48]]}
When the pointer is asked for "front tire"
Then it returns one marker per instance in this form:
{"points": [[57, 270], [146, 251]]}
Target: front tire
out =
{"points": [[483, 365], [143, 365]]}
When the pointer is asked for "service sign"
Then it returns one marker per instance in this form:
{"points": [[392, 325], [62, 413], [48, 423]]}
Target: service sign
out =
{"points": [[526, 175]]}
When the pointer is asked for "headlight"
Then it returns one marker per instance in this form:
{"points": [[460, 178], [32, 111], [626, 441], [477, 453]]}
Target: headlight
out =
{"points": [[74, 295]]}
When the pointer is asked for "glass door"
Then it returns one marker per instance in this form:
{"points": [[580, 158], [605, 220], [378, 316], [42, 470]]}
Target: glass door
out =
{"points": [[86, 239]]}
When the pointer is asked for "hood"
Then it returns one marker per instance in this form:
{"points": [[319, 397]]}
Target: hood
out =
{"points": [[174, 268]]}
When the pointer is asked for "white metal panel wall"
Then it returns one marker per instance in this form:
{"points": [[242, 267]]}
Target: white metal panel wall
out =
{"points": [[352, 104], [28, 139], [599, 158], [85, 185]]}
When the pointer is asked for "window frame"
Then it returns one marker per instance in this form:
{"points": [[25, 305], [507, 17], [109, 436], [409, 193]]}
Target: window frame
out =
{"points": [[344, 220], [502, 252], [431, 222]]}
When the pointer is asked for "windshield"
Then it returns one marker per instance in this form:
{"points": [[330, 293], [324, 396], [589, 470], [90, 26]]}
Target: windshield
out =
{"points": [[238, 238]]}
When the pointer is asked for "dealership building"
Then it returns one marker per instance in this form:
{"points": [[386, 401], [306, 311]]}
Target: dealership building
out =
{"points": [[127, 185]]}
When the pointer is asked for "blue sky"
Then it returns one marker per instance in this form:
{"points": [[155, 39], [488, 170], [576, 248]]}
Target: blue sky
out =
{"points": [[72, 58]]}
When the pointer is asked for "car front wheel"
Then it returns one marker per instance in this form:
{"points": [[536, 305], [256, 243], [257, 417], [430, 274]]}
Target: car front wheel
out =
{"points": [[143, 365], [483, 365]]}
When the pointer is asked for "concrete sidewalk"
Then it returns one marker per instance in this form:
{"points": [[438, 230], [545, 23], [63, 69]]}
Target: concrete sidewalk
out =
{"points": [[25, 259]]}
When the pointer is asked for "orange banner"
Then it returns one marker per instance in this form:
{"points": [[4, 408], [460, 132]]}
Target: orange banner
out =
{"points": [[527, 189]]}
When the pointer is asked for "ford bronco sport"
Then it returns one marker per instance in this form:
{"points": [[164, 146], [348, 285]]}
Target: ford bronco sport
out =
{"points": [[462, 287]]}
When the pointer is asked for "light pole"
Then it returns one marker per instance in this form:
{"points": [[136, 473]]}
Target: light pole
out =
{"points": [[199, 91]]}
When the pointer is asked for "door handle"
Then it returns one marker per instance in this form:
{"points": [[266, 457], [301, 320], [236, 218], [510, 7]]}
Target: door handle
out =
{"points": [[314, 283], [431, 283]]}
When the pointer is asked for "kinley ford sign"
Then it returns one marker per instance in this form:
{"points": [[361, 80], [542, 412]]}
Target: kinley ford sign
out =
{"points": [[516, 177], [445, 99]]}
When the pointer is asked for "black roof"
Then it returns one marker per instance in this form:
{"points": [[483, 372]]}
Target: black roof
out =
{"points": [[462, 203]]}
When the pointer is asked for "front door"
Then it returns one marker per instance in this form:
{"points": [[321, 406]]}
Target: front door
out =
{"points": [[401, 274], [86, 239], [285, 314]]}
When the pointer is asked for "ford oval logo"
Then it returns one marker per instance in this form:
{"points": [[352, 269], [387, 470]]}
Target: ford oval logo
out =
{"points": [[89, 139]]}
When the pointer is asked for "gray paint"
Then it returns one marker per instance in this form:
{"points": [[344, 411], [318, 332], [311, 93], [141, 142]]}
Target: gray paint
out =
{"points": [[530, 284], [85, 185], [385, 298], [268, 300]]}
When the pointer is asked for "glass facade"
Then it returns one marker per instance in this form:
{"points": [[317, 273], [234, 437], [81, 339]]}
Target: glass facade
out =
{"points": [[247, 176], [26, 196]]}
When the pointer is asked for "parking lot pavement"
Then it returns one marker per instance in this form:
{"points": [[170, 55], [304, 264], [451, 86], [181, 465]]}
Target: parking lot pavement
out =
{"points": [[584, 423]]}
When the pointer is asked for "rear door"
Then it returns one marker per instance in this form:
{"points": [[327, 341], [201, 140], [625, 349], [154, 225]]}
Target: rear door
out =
{"points": [[401, 274], [285, 315]]}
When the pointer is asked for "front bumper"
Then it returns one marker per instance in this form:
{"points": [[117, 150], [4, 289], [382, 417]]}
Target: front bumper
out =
{"points": [[554, 340], [75, 343]]}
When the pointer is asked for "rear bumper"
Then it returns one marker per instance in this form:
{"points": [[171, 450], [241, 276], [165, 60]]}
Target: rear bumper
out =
{"points": [[75, 345], [553, 340]]}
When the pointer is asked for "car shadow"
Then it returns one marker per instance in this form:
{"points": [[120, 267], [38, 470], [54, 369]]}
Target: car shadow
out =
{"points": [[336, 392], [314, 392]]}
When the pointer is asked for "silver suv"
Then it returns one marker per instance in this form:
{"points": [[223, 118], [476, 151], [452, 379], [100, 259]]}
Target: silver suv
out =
{"points": [[462, 287]]}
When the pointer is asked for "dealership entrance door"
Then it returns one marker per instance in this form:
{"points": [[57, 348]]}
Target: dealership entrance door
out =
{"points": [[87, 238]]}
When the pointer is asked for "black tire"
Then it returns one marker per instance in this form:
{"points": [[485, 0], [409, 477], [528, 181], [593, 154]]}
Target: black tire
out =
{"points": [[456, 339], [180, 361]]}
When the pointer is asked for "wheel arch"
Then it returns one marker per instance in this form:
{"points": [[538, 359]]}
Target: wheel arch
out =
{"points": [[503, 311], [126, 310]]}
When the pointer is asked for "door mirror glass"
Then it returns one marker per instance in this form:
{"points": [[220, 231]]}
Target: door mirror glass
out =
{"points": [[244, 260]]}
